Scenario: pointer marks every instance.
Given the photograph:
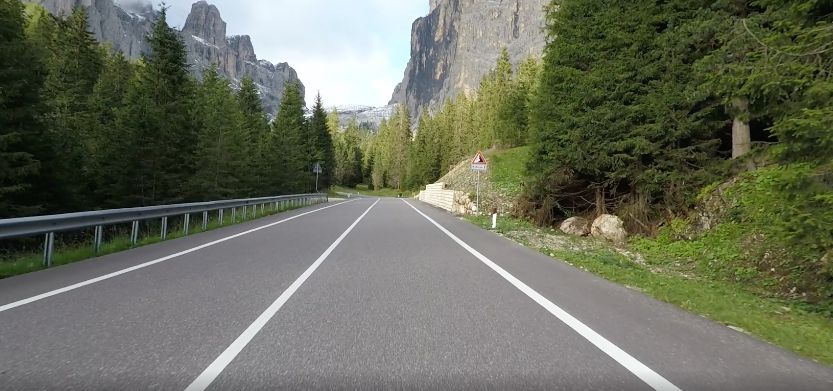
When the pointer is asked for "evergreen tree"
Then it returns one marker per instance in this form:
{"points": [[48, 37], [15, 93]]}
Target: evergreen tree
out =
{"points": [[256, 137], [158, 123], [289, 144], [349, 156], [323, 151], [106, 141], [74, 63], [220, 169], [424, 157], [20, 83], [613, 118]]}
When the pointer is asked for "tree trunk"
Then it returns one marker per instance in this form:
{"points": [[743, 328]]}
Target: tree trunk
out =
{"points": [[741, 138], [601, 207]]}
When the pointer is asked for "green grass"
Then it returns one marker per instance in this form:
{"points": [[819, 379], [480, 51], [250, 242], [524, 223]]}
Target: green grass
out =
{"points": [[781, 322], [507, 170], [363, 190], [22, 263]]}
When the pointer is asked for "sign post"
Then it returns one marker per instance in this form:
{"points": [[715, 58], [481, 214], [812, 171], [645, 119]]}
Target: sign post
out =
{"points": [[317, 170], [479, 164]]}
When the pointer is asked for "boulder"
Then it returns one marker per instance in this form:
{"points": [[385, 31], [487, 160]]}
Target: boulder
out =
{"points": [[577, 226], [609, 227]]}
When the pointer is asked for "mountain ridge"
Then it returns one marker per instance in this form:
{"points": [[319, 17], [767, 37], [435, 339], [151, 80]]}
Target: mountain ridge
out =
{"points": [[459, 41], [125, 26]]}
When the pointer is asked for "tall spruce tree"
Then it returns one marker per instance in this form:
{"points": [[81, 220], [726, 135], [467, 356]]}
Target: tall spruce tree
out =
{"points": [[612, 118], [256, 135], [220, 171], [20, 83], [323, 143], [73, 68], [289, 144], [159, 124], [106, 139]]}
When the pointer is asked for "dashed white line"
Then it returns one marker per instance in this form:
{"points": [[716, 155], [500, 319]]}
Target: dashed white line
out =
{"points": [[68, 288], [224, 359], [653, 379]]}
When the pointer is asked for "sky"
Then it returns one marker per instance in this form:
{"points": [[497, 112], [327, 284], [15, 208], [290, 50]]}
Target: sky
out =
{"points": [[352, 51]]}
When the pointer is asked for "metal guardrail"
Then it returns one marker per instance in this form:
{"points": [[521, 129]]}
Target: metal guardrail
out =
{"points": [[50, 224]]}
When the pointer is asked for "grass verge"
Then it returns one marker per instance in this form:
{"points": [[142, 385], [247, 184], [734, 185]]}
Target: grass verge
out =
{"points": [[507, 170], [781, 322], [364, 191], [22, 263]]}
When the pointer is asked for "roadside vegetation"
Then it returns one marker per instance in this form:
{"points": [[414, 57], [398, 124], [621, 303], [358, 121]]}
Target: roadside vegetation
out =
{"points": [[84, 128], [704, 126], [78, 247], [781, 321]]}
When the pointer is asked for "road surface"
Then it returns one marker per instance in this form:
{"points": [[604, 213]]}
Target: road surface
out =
{"points": [[363, 294]]}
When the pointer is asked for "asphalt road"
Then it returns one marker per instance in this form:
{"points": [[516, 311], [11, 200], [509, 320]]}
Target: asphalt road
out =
{"points": [[364, 294]]}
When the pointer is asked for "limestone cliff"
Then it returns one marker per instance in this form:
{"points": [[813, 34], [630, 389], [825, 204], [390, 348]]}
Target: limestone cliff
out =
{"points": [[460, 40], [125, 24], [205, 38]]}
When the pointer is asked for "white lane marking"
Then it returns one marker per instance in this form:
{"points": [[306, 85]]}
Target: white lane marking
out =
{"points": [[653, 379], [150, 263], [224, 359]]}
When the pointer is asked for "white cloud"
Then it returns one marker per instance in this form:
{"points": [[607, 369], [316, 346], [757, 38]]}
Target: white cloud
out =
{"points": [[354, 52]]}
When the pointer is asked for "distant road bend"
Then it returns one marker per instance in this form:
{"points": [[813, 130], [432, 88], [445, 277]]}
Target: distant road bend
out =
{"points": [[363, 294]]}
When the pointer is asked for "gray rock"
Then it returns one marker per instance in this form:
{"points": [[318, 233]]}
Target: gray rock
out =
{"points": [[609, 227], [460, 40], [126, 24], [205, 38], [577, 226], [124, 28], [367, 117]]}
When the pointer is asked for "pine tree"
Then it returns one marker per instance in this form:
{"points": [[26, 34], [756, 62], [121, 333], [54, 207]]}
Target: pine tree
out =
{"points": [[74, 63], [220, 169], [289, 144], [20, 83], [424, 156], [616, 119], [323, 146], [158, 123], [256, 136], [106, 140]]}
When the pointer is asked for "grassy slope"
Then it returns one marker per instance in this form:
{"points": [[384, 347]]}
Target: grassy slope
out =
{"points": [[674, 279], [507, 168], [363, 190]]}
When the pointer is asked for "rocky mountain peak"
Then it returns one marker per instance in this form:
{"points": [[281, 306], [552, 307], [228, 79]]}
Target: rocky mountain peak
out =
{"points": [[242, 44], [126, 23], [460, 40], [204, 21]]}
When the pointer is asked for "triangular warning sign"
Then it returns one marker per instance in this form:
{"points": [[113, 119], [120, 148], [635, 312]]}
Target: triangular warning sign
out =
{"points": [[479, 158]]}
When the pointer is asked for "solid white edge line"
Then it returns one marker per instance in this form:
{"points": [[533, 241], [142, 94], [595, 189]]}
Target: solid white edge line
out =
{"points": [[647, 375], [68, 288], [224, 359]]}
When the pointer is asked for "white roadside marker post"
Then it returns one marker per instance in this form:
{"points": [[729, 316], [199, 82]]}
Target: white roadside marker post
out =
{"points": [[494, 218]]}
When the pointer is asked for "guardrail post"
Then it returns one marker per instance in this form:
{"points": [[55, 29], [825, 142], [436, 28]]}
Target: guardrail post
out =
{"points": [[187, 222], [233, 215], [164, 231], [220, 216], [48, 248], [205, 220], [134, 233], [98, 238]]}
